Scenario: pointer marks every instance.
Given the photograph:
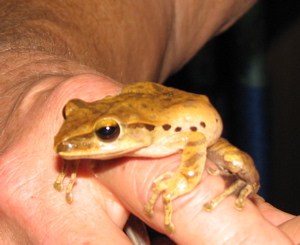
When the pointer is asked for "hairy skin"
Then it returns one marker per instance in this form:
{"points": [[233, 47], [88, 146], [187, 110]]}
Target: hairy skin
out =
{"points": [[55, 51]]}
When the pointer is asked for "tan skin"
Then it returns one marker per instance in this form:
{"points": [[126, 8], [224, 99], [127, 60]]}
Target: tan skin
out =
{"points": [[85, 50]]}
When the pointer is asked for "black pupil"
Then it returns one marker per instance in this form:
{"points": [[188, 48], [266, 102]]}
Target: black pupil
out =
{"points": [[107, 132]]}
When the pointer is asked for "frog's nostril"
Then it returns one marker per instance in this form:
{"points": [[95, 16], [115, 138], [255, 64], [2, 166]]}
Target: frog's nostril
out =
{"points": [[64, 147]]}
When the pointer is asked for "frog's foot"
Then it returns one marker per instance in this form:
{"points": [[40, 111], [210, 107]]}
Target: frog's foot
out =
{"points": [[168, 211], [239, 186], [244, 193], [149, 206], [171, 185], [157, 188], [69, 195], [58, 185]]}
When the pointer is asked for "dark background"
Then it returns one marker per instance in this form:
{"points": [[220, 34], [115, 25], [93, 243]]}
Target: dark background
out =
{"points": [[252, 75]]}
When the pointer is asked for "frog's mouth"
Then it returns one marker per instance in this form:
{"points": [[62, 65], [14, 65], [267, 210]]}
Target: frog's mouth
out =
{"points": [[102, 156], [70, 151]]}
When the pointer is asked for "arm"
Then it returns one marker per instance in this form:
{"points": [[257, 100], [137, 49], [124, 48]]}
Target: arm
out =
{"points": [[129, 41], [157, 37]]}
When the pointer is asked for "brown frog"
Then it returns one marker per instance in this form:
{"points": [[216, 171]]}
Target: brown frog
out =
{"points": [[150, 120]]}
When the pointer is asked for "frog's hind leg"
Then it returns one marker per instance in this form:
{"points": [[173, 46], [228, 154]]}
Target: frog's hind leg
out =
{"points": [[174, 184], [237, 185], [233, 162]]}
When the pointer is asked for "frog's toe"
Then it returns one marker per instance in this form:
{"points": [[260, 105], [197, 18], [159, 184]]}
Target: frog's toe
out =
{"points": [[239, 204], [148, 209], [244, 193], [170, 227], [69, 197], [209, 206], [58, 186]]}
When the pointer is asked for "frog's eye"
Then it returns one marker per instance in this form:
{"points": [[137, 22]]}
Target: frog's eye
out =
{"points": [[107, 129]]}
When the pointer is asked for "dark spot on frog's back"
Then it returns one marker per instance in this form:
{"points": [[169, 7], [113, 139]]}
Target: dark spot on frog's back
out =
{"points": [[177, 129], [193, 129], [203, 124], [149, 127], [166, 127]]}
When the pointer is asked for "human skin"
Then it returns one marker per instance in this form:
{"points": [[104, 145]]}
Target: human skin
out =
{"points": [[55, 51]]}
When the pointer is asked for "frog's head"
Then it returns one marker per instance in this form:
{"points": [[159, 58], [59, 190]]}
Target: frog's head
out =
{"points": [[87, 134]]}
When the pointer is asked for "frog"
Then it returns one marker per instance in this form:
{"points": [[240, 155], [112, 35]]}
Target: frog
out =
{"points": [[147, 119]]}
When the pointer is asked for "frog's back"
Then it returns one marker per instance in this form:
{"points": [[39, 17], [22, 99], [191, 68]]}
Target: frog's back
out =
{"points": [[172, 109]]}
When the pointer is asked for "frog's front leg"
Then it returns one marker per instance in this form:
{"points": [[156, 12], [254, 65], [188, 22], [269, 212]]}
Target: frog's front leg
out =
{"points": [[174, 184], [233, 161], [58, 184]]}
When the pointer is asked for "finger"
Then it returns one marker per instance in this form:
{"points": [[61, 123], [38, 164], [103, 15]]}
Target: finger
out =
{"points": [[289, 224], [272, 214], [292, 229], [131, 180]]}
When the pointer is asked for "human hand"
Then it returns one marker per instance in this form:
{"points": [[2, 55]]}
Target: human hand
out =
{"points": [[31, 211], [106, 191]]}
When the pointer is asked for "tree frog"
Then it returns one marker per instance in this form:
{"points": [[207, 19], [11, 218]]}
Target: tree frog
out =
{"points": [[151, 120]]}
